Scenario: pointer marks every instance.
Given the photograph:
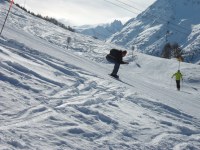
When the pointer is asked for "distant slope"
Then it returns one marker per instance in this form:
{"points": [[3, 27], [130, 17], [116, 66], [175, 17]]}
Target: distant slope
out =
{"points": [[101, 31], [164, 21]]}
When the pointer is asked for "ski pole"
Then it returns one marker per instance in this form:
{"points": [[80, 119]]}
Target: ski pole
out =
{"points": [[11, 3], [182, 82], [171, 83]]}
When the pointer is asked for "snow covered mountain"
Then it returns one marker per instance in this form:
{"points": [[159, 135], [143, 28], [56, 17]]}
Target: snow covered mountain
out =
{"points": [[103, 31], [165, 21], [56, 95]]}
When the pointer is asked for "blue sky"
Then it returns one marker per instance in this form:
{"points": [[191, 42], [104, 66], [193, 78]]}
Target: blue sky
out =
{"points": [[81, 12]]}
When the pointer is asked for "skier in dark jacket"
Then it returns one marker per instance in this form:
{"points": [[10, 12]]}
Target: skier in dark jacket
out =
{"points": [[116, 57]]}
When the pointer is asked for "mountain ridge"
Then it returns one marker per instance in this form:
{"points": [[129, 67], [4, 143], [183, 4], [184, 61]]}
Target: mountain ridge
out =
{"points": [[165, 21], [101, 31]]}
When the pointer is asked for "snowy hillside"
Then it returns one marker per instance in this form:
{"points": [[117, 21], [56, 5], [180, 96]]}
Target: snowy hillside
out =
{"points": [[164, 21], [101, 31], [54, 98]]}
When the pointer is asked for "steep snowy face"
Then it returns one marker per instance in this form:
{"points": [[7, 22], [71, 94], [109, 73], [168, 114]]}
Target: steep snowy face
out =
{"points": [[187, 9], [164, 21]]}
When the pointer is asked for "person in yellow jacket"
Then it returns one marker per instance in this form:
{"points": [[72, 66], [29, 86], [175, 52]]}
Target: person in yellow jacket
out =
{"points": [[178, 76]]}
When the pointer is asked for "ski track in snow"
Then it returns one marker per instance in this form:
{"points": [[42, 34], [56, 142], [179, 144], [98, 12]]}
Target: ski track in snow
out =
{"points": [[53, 99], [85, 94]]}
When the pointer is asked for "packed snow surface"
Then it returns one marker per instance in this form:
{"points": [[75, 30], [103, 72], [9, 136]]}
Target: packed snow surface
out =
{"points": [[55, 96]]}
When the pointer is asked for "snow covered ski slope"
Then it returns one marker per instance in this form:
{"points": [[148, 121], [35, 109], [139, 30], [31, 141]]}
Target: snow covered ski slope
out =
{"points": [[58, 99]]}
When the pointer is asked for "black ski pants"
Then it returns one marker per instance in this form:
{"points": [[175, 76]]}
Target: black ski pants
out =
{"points": [[178, 84], [116, 65]]}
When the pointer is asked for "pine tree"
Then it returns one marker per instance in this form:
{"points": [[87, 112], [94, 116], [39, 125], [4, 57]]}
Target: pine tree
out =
{"points": [[166, 52]]}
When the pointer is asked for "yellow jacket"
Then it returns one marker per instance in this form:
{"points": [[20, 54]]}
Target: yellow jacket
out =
{"points": [[178, 75]]}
